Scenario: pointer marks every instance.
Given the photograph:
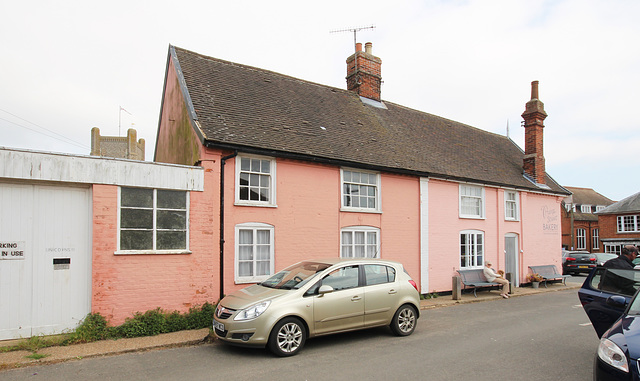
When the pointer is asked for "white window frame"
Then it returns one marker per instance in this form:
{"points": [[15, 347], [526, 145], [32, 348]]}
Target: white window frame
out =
{"points": [[254, 227], [599, 207], [466, 197], [628, 224], [476, 257], [581, 239], [585, 208], [369, 248], [272, 181], [377, 186], [154, 228], [595, 238], [612, 248], [511, 204]]}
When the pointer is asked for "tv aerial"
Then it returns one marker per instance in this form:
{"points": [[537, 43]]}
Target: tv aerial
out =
{"points": [[354, 30]]}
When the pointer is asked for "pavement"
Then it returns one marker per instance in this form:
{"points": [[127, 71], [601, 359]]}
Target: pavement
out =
{"points": [[17, 359]]}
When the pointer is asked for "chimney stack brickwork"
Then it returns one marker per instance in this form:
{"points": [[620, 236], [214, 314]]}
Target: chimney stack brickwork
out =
{"points": [[534, 116], [364, 73]]}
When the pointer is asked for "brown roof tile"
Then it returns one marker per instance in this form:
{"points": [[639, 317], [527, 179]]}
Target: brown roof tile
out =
{"points": [[242, 106]]}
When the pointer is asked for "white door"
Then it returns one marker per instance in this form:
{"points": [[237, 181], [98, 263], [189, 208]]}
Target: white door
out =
{"points": [[511, 258], [48, 287]]}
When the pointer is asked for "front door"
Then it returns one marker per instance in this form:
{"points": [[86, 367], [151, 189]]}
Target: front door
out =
{"points": [[511, 257]]}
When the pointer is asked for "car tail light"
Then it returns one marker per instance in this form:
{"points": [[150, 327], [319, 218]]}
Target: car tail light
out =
{"points": [[571, 259], [414, 284], [592, 259]]}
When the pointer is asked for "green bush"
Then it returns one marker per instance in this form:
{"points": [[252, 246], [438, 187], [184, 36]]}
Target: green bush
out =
{"points": [[93, 327]]}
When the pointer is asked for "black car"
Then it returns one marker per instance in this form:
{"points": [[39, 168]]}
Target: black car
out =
{"points": [[574, 262], [610, 299]]}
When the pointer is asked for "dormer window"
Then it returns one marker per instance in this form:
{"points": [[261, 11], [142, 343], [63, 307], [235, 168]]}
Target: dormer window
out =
{"points": [[585, 208]]}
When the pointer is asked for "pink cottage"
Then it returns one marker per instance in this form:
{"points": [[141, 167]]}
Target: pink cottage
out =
{"points": [[305, 170]]}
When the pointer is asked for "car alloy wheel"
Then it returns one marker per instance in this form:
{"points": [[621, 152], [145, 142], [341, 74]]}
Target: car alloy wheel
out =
{"points": [[404, 321], [287, 337]]}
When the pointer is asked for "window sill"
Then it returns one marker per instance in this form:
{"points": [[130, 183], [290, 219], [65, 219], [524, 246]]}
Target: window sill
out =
{"points": [[359, 210], [473, 217], [251, 280], [151, 252], [241, 203]]}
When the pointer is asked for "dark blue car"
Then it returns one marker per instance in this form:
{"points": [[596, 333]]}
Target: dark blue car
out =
{"points": [[610, 299]]}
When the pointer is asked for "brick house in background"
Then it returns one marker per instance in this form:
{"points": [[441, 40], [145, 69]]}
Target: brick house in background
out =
{"points": [[307, 170], [620, 224], [580, 228]]}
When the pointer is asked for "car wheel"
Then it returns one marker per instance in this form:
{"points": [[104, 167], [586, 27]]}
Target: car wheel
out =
{"points": [[404, 321], [287, 337]]}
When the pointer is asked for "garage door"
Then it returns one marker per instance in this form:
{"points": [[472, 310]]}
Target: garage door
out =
{"points": [[45, 259]]}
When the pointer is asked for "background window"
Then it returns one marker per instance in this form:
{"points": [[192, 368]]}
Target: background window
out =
{"points": [[627, 224], [254, 252], [581, 239], [471, 201], [360, 242], [595, 238], [471, 249], [360, 190], [153, 219]]}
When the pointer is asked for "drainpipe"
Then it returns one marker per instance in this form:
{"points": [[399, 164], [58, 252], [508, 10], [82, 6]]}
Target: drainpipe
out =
{"points": [[222, 163]]}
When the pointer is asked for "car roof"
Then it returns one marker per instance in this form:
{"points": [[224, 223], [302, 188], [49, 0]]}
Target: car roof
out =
{"points": [[334, 261]]}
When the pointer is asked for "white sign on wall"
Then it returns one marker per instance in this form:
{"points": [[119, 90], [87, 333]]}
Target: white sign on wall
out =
{"points": [[12, 249]]}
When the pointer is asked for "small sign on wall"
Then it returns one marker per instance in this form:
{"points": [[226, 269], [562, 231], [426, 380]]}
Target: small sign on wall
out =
{"points": [[12, 249]]}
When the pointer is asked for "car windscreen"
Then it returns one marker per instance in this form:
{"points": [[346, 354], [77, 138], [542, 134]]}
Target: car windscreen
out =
{"points": [[295, 276]]}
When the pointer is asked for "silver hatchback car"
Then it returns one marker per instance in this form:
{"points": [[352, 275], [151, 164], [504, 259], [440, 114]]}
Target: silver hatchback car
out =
{"points": [[319, 297]]}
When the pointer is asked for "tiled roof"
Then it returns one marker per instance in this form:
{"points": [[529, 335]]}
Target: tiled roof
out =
{"points": [[588, 196], [246, 108], [630, 204]]}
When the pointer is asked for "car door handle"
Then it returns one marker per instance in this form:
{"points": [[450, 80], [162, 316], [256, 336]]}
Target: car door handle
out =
{"points": [[356, 298], [392, 291]]}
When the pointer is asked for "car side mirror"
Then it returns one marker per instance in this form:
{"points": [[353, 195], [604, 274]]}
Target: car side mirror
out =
{"points": [[617, 301], [325, 289]]}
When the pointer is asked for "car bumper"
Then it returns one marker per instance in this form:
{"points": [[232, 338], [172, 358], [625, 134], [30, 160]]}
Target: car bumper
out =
{"points": [[578, 269], [604, 372], [246, 333]]}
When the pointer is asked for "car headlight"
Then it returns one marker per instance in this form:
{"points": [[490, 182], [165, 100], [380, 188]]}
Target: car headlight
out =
{"points": [[611, 354], [252, 312]]}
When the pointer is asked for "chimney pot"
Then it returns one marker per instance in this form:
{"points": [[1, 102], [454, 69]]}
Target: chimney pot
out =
{"points": [[534, 90], [359, 47], [368, 48]]}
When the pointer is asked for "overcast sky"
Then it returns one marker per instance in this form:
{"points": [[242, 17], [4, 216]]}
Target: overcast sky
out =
{"points": [[68, 66]]}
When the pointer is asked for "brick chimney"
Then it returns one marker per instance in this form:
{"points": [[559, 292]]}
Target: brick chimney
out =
{"points": [[534, 116], [363, 72]]}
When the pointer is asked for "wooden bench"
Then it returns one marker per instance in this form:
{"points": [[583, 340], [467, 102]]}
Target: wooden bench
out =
{"points": [[474, 278], [549, 272]]}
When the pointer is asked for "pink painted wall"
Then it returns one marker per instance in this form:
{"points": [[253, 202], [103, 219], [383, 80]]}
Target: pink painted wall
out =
{"points": [[125, 284], [308, 219], [538, 231]]}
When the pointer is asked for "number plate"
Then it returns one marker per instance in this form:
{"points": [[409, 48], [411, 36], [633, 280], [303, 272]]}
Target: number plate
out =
{"points": [[583, 267], [219, 326]]}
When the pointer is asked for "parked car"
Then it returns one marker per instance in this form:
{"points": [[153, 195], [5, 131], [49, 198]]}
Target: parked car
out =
{"points": [[319, 297], [610, 299], [601, 258], [574, 262]]}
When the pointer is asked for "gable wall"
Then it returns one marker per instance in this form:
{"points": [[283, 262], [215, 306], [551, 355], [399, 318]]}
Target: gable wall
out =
{"points": [[177, 142]]}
